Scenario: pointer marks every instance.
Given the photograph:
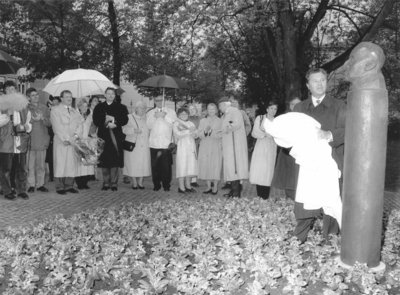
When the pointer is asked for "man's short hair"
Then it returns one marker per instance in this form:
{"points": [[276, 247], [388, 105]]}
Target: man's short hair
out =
{"points": [[64, 92], [315, 71], [9, 83], [30, 90]]}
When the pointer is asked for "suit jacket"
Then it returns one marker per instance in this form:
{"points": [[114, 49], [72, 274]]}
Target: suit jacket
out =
{"points": [[331, 114]]}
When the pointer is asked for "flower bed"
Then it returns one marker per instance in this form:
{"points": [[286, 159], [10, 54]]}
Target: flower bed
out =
{"points": [[199, 246]]}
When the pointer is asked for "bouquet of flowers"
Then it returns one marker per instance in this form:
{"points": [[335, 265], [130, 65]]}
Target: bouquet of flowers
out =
{"points": [[88, 150]]}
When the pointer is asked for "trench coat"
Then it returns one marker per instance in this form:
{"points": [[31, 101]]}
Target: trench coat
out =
{"points": [[111, 156], [264, 155], [210, 151], [137, 162], [234, 146], [65, 126]]}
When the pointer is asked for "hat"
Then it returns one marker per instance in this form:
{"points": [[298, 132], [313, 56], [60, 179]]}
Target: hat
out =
{"points": [[224, 99]]}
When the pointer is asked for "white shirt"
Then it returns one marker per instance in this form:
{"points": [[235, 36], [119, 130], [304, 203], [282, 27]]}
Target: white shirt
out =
{"points": [[160, 128], [314, 100]]}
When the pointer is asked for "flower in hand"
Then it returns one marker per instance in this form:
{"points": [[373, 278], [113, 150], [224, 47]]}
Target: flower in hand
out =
{"points": [[111, 125]]}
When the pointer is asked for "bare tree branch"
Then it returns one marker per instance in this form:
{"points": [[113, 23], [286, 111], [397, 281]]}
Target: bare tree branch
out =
{"points": [[349, 18], [318, 16], [385, 10]]}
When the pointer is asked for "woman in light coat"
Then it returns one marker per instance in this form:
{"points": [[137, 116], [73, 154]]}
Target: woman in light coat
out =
{"points": [[210, 151], [186, 156], [137, 162], [264, 154]]}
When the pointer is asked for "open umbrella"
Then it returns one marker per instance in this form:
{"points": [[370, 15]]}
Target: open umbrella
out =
{"points": [[164, 81], [81, 82], [8, 64]]}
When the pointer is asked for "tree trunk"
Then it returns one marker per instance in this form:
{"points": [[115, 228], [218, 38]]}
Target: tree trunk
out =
{"points": [[292, 78], [115, 40]]}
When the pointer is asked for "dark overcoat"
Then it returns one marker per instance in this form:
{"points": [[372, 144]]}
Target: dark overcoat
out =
{"points": [[331, 114], [111, 156]]}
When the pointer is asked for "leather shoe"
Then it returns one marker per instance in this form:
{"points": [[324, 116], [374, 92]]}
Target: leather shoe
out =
{"points": [[72, 190], [42, 189], [194, 184], [181, 191], [209, 191], [226, 186], [23, 196], [156, 188], [10, 196], [114, 188], [140, 187], [214, 193], [105, 188], [134, 187], [190, 190], [61, 192], [31, 189]]}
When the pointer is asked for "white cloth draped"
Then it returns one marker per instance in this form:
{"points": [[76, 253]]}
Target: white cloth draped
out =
{"points": [[318, 181]]}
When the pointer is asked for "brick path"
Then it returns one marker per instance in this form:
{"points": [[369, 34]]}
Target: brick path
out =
{"points": [[45, 205]]}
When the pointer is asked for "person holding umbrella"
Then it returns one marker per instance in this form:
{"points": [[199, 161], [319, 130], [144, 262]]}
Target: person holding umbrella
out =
{"points": [[159, 122], [234, 147], [109, 117]]}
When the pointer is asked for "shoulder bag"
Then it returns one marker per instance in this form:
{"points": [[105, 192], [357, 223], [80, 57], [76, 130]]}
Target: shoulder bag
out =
{"points": [[128, 145]]}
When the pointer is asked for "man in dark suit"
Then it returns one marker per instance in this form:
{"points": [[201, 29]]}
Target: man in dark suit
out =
{"points": [[330, 113]]}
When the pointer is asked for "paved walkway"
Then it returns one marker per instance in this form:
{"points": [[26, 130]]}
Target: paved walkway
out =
{"points": [[45, 205]]}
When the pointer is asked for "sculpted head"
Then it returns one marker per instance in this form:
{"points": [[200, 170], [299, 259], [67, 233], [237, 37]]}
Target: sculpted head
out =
{"points": [[366, 59]]}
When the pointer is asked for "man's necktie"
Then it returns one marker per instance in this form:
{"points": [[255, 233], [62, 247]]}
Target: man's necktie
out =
{"points": [[68, 110], [318, 101]]}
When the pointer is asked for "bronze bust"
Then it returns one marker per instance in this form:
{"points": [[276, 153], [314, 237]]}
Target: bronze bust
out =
{"points": [[363, 68]]}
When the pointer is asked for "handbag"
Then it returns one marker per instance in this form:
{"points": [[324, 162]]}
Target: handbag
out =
{"points": [[128, 145], [172, 146]]}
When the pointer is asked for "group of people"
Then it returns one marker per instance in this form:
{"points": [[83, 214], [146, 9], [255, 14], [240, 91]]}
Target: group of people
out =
{"points": [[211, 148]]}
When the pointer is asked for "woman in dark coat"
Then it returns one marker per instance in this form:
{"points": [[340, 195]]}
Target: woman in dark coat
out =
{"points": [[285, 175], [109, 117]]}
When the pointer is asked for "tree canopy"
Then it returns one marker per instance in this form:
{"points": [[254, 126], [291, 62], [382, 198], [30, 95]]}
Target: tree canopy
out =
{"points": [[259, 49]]}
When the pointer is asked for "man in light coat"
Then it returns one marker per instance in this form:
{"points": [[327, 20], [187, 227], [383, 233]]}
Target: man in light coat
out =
{"points": [[234, 147], [66, 122]]}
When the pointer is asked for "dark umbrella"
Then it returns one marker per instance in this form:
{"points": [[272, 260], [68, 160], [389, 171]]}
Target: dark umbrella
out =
{"points": [[8, 64], [164, 81]]}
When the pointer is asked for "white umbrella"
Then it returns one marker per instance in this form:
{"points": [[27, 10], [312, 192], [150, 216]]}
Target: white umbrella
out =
{"points": [[81, 82]]}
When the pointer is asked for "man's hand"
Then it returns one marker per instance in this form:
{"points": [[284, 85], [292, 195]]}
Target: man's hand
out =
{"points": [[327, 135], [160, 114]]}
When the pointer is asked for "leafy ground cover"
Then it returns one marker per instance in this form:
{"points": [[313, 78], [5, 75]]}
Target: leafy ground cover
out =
{"points": [[199, 246]]}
